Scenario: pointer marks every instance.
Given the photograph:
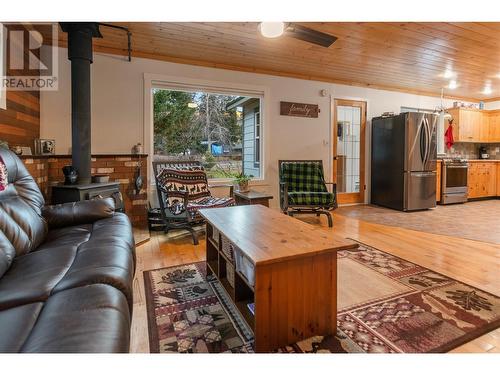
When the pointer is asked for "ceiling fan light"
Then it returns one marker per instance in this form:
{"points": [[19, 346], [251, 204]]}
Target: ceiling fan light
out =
{"points": [[272, 29]]}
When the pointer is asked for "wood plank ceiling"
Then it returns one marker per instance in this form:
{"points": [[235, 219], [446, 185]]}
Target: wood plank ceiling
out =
{"points": [[409, 57]]}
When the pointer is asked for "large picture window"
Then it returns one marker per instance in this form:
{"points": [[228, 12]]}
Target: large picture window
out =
{"points": [[220, 130]]}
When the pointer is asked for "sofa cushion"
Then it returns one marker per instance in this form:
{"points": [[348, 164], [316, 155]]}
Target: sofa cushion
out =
{"points": [[32, 277], [16, 324], [107, 257], [99, 253], [21, 202], [89, 319]]}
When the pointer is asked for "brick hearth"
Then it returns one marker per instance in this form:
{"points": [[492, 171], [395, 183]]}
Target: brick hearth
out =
{"points": [[47, 171]]}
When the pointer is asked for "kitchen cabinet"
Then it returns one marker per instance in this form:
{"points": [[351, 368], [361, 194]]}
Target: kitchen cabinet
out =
{"points": [[482, 179], [484, 127], [498, 178], [493, 126], [469, 125]]}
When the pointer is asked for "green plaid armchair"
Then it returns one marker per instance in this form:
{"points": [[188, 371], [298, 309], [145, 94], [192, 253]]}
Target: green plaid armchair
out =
{"points": [[303, 189]]}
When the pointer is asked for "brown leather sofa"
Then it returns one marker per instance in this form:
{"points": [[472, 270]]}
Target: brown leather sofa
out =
{"points": [[66, 271]]}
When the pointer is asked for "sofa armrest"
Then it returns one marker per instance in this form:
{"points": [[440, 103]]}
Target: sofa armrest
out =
{"points": [[76, 213]]}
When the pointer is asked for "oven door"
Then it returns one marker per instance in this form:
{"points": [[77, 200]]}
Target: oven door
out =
{"points": [[455, 178]]}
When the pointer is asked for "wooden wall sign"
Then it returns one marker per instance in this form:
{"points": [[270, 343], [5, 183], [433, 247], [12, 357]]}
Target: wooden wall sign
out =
{"points": [[299, 109]]}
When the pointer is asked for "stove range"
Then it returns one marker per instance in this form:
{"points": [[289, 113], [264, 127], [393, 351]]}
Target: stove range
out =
{"points": [[454, 181]]}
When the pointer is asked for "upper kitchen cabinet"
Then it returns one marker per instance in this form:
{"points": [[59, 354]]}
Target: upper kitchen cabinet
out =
{"points": [[484, 127], [469, 124], [473, 125], [494, 126]]}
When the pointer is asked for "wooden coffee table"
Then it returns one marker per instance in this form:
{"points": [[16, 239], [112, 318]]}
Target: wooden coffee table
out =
{"points": [[285, 267], [252, 197]]}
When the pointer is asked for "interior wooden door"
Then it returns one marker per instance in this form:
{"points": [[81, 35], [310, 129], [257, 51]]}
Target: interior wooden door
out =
{"points": [[349, 126]]}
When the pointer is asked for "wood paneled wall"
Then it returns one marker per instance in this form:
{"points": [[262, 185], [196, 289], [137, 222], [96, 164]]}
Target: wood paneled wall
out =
{"points": [[20, 122]]}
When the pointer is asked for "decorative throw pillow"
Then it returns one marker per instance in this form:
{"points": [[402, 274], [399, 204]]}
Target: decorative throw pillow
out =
{"points": [[3, 175]]}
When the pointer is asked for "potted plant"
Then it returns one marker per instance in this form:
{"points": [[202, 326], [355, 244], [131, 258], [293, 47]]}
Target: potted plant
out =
{"points": [[242, 180]]}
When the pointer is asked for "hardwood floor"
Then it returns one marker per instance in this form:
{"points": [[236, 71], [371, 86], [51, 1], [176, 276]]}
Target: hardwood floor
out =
{"points": [[478, 220], [473, 262]]}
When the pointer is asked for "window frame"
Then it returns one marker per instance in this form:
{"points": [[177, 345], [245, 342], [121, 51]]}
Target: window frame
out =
{"points": [[215, 90], [257, 147]]}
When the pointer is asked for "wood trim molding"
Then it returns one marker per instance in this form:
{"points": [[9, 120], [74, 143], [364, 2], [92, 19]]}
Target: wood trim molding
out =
{"points": [[489, 100]]}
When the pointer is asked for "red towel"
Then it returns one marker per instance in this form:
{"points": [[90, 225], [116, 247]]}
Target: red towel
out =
{"points": [[448, 136]]}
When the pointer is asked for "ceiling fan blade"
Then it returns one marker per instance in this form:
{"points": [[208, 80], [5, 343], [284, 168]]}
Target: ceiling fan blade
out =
{"points": [[309, 35]]}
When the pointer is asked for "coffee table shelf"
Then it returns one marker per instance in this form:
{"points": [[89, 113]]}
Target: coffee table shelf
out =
{"points": [[294, 268], [241, 293]]}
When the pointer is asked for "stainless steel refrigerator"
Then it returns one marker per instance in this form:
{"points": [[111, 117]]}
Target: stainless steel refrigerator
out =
{"points": [[403, 161]]}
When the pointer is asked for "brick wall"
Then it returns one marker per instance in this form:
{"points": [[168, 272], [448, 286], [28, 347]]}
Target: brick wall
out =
{"points": [[47, 171]]}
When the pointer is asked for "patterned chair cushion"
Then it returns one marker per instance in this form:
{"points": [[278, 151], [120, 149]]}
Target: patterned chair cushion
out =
{"points": [[304, 198], [304, 176], [208, 202], [175, 182]]}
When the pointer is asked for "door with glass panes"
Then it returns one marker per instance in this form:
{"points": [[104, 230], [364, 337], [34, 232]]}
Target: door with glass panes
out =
{"points": [[349, 125]]}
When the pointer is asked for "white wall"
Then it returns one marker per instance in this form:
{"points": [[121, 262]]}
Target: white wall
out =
{"points": [[492, 105], [117, 109]]}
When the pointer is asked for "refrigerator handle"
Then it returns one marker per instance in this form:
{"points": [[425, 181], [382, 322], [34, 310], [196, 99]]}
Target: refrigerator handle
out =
{"points": [[422, 135], [427, 142]]}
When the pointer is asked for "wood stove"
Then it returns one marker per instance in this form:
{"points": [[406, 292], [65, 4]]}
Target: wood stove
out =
{"points": [[78, 192], [80, 36]]}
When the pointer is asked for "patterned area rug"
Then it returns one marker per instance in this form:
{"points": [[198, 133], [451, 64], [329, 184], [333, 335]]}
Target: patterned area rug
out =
{"points": [[386, 305]]}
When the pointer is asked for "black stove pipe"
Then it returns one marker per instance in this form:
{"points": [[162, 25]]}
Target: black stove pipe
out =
{"points": [[80, 36]]}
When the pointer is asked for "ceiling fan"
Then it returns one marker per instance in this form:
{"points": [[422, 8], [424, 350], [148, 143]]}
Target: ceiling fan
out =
{"points": [[276, 29]]}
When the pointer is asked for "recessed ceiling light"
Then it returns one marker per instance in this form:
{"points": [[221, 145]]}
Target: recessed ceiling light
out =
{"points": [[272, 29], [452, 85], [448, 73]]}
